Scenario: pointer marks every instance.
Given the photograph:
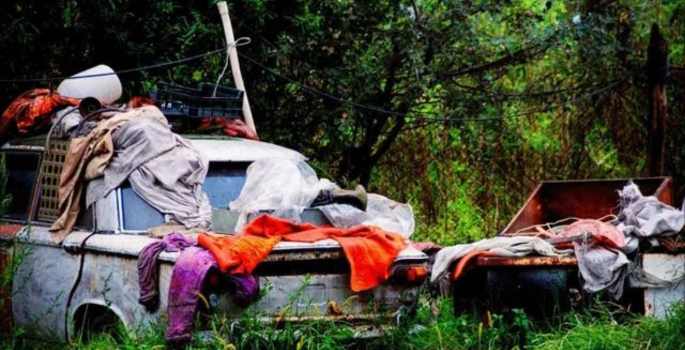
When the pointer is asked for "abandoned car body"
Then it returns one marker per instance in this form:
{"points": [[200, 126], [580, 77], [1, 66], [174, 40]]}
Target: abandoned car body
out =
{"points": [[91, 279]]}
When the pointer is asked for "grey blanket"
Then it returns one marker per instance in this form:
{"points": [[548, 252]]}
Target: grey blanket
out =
{"points": [[164, 169], [640, 217]]}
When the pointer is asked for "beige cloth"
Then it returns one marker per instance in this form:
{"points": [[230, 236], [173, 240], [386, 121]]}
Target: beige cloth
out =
{"points": [[168, 228], [87, 159], [503, 246]]}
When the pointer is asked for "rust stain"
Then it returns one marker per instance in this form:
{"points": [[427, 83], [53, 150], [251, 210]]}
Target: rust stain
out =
{"points": [[334, 308], [9, 230], [541, 261]]}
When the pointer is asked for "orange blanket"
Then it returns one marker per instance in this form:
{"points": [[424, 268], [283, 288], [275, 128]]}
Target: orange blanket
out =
{"points": [[369, 250], [32, 108]]}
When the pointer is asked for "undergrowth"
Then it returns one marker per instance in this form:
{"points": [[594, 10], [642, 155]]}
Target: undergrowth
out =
{"points": [[434, 328]]}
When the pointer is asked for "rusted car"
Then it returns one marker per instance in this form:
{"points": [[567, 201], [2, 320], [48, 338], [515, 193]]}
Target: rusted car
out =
{"points": [[91, 280]]}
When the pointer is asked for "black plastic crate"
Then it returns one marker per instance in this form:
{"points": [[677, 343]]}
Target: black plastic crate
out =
{"points": [[181, 101]]}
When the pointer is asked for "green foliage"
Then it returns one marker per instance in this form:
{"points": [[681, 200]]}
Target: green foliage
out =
{"points": [[490, 96], [440, 329], [599, 330], [5, 198]]}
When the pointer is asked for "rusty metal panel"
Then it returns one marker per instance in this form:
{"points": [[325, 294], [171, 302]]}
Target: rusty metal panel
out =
{"points": [[660, 301], [529, 261], [531, 213], [320, 297], [585, 199]]}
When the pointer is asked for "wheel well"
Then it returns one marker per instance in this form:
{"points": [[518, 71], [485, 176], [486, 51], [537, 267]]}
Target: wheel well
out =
{"points": [[92, 319]]}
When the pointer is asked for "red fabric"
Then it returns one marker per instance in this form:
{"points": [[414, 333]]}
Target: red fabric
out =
{"points": [[139, 101], [230, 127], [238, 128], [32, 108], [602, 232], [369, 250], [466, 260]]}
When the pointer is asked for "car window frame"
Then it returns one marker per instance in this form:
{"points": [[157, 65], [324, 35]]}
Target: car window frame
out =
{"points": [[31, 210]]}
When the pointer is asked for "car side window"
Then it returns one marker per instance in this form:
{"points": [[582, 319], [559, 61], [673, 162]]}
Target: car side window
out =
{"points": [[224, 182], [137, 214], [22, 171]]}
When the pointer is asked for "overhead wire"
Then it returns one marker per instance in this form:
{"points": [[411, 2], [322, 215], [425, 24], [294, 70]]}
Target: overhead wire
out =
{"points": [[398, 114], [420, 118], [119, 72], [526, 113], [322, 93]]}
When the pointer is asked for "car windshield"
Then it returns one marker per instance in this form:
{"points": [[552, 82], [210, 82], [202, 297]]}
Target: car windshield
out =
{"points": [[223, 184]]}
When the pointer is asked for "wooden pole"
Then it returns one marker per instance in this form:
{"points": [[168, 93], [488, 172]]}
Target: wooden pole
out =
{"points": [[657, 73], [235, 65]]}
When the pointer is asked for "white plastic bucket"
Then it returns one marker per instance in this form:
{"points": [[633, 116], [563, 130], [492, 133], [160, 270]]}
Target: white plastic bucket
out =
{"points": [[106, 88]]}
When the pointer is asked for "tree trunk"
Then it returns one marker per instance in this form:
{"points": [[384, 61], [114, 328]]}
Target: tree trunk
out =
{"points": [[657, 73]]}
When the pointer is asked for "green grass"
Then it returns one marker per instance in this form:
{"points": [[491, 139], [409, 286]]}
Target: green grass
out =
{"points": [[435, 327]]}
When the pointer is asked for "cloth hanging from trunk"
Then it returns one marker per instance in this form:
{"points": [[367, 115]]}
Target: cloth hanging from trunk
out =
{"points": [[147, 266], [500, 246], [187, 280], [369, 250], [601, 261], [601, 268]]}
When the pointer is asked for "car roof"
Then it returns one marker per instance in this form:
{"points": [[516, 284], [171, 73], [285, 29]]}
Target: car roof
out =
{"points": [[217, 148]]}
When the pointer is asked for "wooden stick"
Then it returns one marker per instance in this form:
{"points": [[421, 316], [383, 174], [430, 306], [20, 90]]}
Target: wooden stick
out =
{"points": [[235, 65]]}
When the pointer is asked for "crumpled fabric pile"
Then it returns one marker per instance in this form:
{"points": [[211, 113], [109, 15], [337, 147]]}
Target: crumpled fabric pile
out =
{"points": [[607, 266], [138, 146], [164, 169], [230, 127], [286, 187], [369, 250]]}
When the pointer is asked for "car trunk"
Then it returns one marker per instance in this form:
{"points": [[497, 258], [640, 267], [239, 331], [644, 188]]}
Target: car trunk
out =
{"points": [[304, 282], [299, 282]]}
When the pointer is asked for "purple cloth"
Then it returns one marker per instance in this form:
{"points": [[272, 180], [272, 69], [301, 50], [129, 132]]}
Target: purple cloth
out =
{"points": [[147, 266], [245, 288], [192, 265], [187, 280]]}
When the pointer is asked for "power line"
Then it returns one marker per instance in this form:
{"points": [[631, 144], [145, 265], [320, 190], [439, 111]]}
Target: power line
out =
{"points": [[322, 93], [119, 72], [417, 118], [427, 119], [526, 113]]}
